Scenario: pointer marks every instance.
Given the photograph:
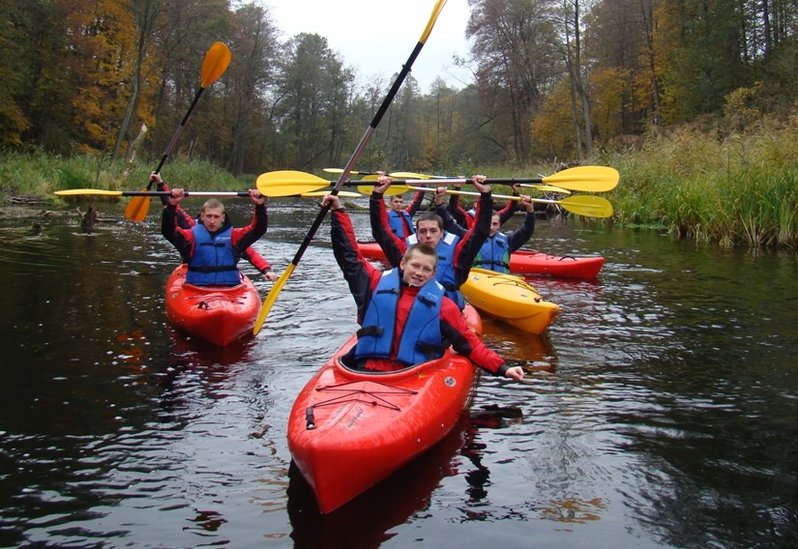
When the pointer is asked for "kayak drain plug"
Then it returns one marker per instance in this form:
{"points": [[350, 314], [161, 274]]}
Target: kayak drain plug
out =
{"points": [[310, 421]]}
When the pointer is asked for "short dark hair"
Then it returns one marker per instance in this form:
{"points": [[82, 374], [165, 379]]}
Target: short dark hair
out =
{"points": [[430, 216], [423, 249]]}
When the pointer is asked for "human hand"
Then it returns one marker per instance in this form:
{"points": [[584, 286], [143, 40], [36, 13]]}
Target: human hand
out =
{"points": [[479, 183], [440, 192], [527, 203], [331, 201], [176, 196], [155, 177], [383, 182], [271, 276], [515, 372], [256, 198]]}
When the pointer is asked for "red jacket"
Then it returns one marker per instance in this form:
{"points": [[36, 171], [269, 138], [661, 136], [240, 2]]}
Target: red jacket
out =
{"points": [[363, 278]]}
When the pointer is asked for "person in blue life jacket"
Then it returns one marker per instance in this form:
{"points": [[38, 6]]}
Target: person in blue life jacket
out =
{"points": [[185, 221], [401, 217], [465, 218], [404, 314], [456, 251], [495, 252], [213, 247]]}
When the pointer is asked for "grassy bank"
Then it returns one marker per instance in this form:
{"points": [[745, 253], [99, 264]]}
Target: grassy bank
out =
{"points": [[741, 190], [41, 175], [713, 186]]}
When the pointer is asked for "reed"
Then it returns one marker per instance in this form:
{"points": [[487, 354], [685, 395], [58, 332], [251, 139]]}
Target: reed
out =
{"points": [[741, 190]]}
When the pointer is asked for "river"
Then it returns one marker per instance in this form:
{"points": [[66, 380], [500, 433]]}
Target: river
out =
{"points": [[660, 410]]}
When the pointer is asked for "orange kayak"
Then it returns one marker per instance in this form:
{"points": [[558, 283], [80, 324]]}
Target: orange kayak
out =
{"points": [[218, 314], [525, 262], [349, 429]]}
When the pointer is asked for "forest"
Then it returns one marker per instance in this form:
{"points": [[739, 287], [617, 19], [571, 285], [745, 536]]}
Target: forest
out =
{"points": [[552, 79], [554, 82]]}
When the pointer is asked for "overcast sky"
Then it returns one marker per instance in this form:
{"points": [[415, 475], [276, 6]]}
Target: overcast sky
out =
{"points": [[376, 37]]}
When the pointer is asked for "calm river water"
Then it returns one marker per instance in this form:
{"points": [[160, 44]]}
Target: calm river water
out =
{"points": [[661, 409]]}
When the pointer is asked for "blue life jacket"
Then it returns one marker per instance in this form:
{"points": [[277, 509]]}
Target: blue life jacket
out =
{"points": [[401, 223], [444, 272], [494, 254], [421, 339], [213, 262]]}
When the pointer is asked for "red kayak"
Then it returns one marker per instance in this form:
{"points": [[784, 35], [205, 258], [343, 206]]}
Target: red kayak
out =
{"points": [[218, 314], [350, 429], [566, 266], [525, 262]]}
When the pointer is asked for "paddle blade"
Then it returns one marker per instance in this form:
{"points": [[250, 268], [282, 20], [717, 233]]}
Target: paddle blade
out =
{"points": [[137, 208], [325, 192], [592, 179], [548, 189], [410, 175], [289, 183], [271, 297], [428, 29], [392, 190], [95, 192], [587, 205], [215, 63]]}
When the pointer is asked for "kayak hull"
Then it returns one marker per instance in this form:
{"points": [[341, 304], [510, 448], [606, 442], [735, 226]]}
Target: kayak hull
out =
{"points": [[525, 262], [532, 262], [217, 314], [509, 298], [348, 430]]}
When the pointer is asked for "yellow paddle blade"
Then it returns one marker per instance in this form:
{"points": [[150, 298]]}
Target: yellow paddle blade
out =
{"points": [[428, 29], [271, 297], [215, 63], [587, 205], [410, 175], [592, 179], [137, 208], [325, 192], [95, 192], [547, 189], [289, 183], [341, 170]]}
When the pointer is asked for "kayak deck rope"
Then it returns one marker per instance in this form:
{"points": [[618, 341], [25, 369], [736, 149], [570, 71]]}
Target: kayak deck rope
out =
{"points": [[350, 394]]}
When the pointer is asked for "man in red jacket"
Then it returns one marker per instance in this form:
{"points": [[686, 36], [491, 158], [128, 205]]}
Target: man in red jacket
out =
{"points": [[397, 308]]}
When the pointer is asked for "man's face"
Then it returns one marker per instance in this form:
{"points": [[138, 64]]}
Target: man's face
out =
{"points": [[212, 218], [418, 269], [397, 203], [429, 233], [495, 225]]}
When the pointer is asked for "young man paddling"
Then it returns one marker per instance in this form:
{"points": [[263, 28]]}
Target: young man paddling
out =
{"points": [[495, 251], [456, 253], [404, 315], [185, 221], [213, 247]]}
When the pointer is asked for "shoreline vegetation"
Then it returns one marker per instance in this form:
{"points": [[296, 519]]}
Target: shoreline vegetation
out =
{"points": [[740, 190]]}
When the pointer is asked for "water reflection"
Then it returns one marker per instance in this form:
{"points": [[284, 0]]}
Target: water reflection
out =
{"points": [[659, 409]]}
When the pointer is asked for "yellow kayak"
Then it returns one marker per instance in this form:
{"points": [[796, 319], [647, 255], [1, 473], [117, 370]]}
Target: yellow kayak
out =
{"points": [[509, 298]]}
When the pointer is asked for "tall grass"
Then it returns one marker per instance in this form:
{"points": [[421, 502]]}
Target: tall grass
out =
{"points": [[741, 190], [41, 175]]}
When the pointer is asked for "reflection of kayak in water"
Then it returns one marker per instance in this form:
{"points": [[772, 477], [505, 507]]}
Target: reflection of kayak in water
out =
{"points": [[525, 262], [509, 298], [218, 314], [348, 429]]}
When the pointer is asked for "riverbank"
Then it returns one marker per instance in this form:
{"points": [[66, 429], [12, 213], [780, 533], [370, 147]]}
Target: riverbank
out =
{"points": [[704, 183]]}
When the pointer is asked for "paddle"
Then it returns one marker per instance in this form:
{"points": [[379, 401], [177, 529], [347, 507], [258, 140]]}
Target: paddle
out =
{"points": [[104, 192], [580, 204], [278, 285], [415, 175], [213, 66], [293, 182]]}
